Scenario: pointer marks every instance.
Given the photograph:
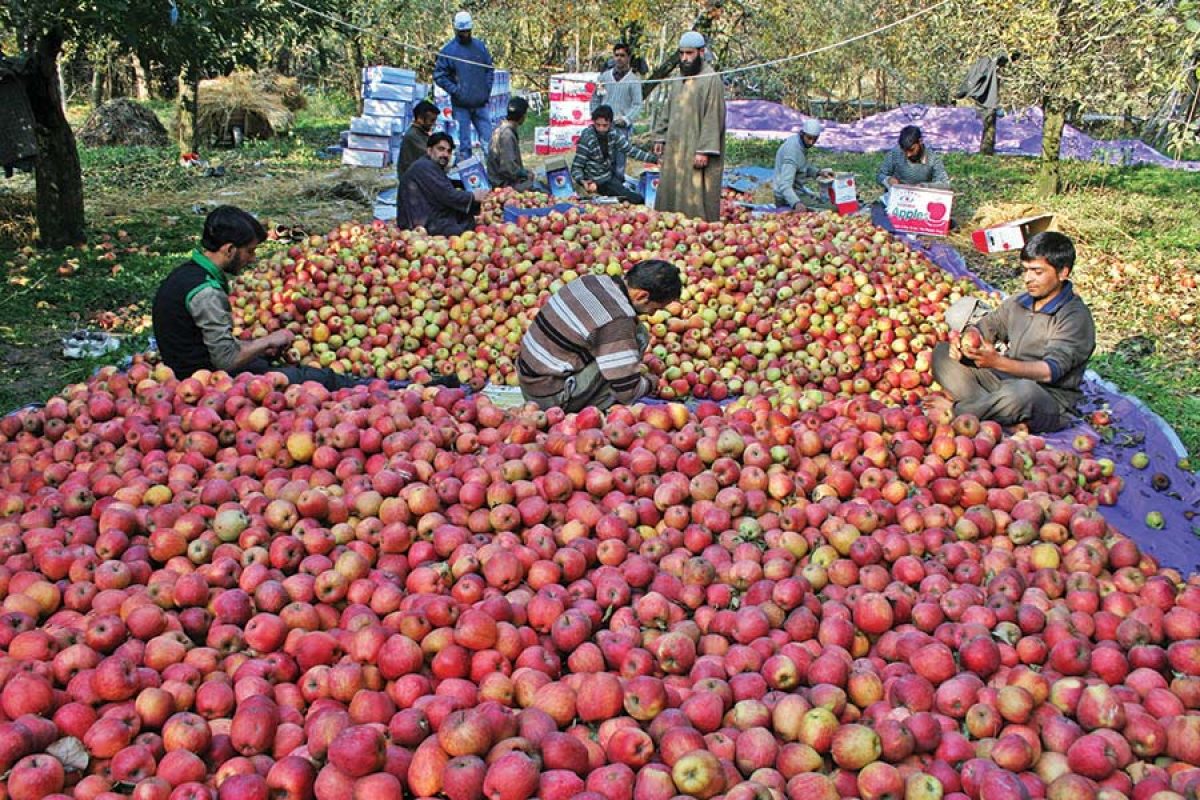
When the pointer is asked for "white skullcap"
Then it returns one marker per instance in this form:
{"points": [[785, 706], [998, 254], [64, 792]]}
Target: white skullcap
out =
{"points": [[812, 127], [462, 21], [691, 40]]}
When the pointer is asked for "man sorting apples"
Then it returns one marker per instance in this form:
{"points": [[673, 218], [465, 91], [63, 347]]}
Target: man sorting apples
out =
{"points": [[427, 199], [193, 320], [585, 345], [1024, 361], [689, 136], [912, 164]]}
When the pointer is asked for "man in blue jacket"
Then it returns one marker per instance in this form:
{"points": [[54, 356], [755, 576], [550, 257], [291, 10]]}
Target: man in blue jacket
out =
{"points": [[464, 70]]}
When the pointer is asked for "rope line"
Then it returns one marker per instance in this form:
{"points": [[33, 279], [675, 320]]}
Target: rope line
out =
{"points": [[670, 79]]}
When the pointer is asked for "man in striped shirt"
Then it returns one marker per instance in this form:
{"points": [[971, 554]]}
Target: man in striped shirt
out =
{"points": [[585, 345], [594, 168]]}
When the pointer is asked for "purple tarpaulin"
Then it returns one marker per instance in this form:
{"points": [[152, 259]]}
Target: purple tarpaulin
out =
{"points": [[1135, 428], [955, 130]]}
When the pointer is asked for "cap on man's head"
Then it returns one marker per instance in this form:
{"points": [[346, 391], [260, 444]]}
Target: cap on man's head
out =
{"points": [[692, 40], [462, 21], [812, 127]]}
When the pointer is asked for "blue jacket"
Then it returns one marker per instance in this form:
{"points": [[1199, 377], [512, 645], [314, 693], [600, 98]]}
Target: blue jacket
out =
{"points": [[469, 85]]}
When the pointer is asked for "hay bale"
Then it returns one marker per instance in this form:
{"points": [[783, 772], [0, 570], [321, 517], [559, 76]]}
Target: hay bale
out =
{"points": [[288, 89], [240, 101], [122, 122]]}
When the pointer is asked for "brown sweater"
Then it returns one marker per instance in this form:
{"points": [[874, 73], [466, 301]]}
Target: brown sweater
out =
{"points": [[589, 319]]}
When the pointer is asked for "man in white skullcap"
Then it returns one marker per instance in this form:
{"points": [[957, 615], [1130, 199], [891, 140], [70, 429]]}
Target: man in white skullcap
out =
{"points": [[793, 167], [464, 70], [689, 136]]}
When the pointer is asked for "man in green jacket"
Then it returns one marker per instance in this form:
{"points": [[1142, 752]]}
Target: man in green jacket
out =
{"points": [[504, 164]]}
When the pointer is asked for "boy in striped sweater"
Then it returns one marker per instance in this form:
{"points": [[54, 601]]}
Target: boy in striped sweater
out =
{"points": [[585, 345]]}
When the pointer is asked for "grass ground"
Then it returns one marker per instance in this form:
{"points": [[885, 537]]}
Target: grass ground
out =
{"points": [[1138, 230]]}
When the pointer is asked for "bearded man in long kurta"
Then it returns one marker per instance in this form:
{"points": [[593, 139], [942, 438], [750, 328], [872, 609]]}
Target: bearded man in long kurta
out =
{"points": [[689, 136]]}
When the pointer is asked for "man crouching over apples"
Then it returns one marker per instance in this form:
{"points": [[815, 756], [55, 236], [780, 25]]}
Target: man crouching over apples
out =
{"points": [[193, 320], [585, 345], [1024, 361]]}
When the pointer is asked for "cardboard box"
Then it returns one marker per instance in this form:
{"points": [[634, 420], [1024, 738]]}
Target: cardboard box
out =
{"points": [[557, 139], [558, 178], [473, 174], [389, 91], [573, 86], [377, 126], [916, 209], [360, 141], [648, 186], [383, 74], [570, 112], [366, 158], [1011, 236], [386, 108], [842, 191]]}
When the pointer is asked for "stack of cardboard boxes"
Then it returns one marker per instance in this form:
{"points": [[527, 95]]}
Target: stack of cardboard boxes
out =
{"points": [[389, 94], [570, 112]]}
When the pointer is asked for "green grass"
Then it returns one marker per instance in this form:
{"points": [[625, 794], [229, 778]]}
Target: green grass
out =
{"points": [[1138, 230]]}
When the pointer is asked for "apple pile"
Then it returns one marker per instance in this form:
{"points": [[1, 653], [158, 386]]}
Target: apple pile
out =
{"points": [[226, 589], [790, 304]]}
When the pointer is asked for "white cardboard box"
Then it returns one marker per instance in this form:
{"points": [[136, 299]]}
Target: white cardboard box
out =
{"points": [[366, 158], [1010, 236], [843, 192], [360, 141], [377, 126], [573, 86], [920, 210], [570, 112], [389, 91], [386, 108], [384, 74]]}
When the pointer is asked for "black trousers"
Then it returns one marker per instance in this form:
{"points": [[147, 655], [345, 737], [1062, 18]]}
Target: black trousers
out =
{"points": [[615, 188], [326, 377]]}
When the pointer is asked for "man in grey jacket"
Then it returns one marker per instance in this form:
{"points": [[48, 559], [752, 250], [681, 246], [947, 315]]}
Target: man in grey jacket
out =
{"points": [[505, 168], [620, 88], [793, 168], [1048, 336]]}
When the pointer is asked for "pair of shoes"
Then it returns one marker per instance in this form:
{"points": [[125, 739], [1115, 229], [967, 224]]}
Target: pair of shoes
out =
{"points": [[89, 344]]}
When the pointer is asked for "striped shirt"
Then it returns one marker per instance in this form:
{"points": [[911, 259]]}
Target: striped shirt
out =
{"points": [[590, 319], [896, 165], [591, 164]]}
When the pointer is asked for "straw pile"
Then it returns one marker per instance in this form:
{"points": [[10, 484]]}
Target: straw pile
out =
{"points": [[122, 122], [244, 100]]}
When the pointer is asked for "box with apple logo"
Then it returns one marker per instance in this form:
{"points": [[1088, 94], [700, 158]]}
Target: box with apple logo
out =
{"points": [[842, 191], [920, 210], [648, 186], [1010, 237], [558, 178], [473, 174]]}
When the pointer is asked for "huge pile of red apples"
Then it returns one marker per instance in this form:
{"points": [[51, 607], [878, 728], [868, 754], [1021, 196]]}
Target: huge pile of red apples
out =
{"points": [[238, 589], [784, 304]]}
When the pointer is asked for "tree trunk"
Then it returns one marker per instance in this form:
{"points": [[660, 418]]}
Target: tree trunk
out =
{"points": [[58, 176], [354, 53], [141, 88], [1049, 180], [186, 109], [987, 144], [97, 85]]}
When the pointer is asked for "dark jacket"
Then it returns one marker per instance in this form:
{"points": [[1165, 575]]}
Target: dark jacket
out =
{"points": [[468, 84], [504, 164], [412, 148], [427, 199], [180, 340]]}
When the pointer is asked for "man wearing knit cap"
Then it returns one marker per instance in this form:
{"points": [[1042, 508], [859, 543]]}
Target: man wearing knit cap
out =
{"points": [[793, 168], [689, 136], [464, 71]]}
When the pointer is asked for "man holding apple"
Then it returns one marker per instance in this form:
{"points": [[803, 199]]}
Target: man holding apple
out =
{"points": [[585, 345], [193, 319], [1024, 361], [793, 168]]}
